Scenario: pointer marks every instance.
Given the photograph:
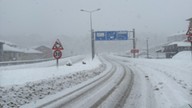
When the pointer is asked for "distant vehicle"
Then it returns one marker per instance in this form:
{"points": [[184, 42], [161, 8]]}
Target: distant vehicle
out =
{"points": [[69, 63], [83, 62]]}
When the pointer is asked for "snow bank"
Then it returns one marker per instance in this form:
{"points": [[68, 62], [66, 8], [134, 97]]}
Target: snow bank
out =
{"points": [[20, 74], [16, 96], [184, 55], [39, 82]]}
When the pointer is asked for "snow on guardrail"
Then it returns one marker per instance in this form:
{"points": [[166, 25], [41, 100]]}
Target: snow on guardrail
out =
{"points": [[7, 63]]}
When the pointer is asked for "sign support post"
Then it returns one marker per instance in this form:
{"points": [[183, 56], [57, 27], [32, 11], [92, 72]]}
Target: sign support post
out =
{"points": [[134, 43], [134, 50], [191, 50], [57, 62], [189, 33]]}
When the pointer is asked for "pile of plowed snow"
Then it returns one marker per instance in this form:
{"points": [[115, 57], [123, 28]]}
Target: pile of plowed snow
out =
{"points": [[18, 95], [184, 55]]}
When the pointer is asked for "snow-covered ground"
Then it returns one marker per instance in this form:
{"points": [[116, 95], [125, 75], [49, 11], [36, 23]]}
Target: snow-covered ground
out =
{"points": [[158, 83], [22, 84], [184, 55], [20, 74], [169, 79]]}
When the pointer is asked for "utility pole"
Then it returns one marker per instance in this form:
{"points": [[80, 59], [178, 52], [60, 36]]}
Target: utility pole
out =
{"points": [[1, 51], [134, 43], [147, 47]]}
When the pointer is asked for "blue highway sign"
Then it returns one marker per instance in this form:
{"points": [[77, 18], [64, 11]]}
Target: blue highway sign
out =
{"points": [[111, 35]]}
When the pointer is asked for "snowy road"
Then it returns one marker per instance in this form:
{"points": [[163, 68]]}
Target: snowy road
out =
{"points": [[109, 89]]}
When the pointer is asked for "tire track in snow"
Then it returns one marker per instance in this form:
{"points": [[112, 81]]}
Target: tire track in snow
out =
{"points": [[101, 92], [166, 90], [141, 95], [119, 95]]}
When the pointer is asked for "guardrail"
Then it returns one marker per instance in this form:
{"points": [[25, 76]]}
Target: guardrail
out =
{"points": [[7, 63]]}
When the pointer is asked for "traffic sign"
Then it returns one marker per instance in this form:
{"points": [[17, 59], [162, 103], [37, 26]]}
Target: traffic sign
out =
{"points": [[135, 51], [57, 45], [189, 38], [111, 35], [189, 32], [57, 54]]}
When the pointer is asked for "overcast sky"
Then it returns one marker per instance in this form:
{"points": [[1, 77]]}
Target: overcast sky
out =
{"points": [[32, 22]]}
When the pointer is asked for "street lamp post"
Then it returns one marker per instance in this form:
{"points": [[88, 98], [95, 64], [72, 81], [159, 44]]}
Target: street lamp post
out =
{"points": [[92, 32]]}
